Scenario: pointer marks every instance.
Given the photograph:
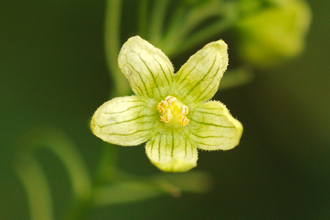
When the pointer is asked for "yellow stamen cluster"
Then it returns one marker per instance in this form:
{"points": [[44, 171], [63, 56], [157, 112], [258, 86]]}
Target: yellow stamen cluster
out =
{"points": [[173, 111]]}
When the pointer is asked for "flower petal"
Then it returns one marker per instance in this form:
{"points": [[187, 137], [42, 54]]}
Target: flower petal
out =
{"points": [[123, 121], [213, 128], [146, 67], [172, 152], [199, 78]]}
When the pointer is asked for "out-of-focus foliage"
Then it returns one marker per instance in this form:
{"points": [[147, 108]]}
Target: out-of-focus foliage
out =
{"points": [[271, 34], [53, 71]]}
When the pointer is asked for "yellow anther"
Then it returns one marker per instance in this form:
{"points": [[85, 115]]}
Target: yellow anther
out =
{"points": [[173, 111], [164, 103], [184, 121], [170, 99], [160, 109], [184, 110], [166, 117]]}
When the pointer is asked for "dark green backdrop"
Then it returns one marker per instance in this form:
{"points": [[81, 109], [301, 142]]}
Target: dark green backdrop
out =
{"points": [[53, 71]]}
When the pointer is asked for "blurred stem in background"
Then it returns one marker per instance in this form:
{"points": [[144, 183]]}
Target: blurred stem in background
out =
{"points": [[112, 44], [191, 23], [115, 187], [189, 26], [31, 173]]}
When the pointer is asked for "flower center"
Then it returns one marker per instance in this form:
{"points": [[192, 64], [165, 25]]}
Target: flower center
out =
{"points": [[173, 111]]}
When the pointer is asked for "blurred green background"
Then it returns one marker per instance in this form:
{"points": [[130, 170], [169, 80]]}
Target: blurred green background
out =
{"points": [[53, 71]]}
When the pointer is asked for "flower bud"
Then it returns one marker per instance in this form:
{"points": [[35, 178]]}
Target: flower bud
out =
{"points": [[271, 35]]}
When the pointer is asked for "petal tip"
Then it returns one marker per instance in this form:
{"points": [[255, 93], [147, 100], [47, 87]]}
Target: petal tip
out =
{"points": [[92, 125], [175, 166], [134, 38], [239, 129], [221, 46], [216, 128], [172, 153], [122, 121], [147, 68], [222, 43]]}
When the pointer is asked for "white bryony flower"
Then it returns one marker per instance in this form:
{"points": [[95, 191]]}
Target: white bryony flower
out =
{"points": [[170, 111]]}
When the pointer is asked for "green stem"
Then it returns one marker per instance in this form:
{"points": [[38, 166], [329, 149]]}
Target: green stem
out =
{"points": [[36, 185], [34, 179], [202, 36], [105, 167], [186, 23], [143, 17], [79, 209], [157, 21], [106, 170], [197, 15], [112, 46], [176, 22], [180, 37]]}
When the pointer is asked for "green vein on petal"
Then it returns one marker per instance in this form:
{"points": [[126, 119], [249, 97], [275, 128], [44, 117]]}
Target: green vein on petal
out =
{"points": [[124, 121], [172, 152], [214, 128]]}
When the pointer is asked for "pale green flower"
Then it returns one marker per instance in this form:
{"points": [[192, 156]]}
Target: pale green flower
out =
{"points": [[170, 110]]}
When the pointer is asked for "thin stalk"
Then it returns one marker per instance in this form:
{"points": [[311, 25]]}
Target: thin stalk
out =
{"points": [[197, 15], [187, 22], [143, 17], [176, 22], [36, 185], [106, 171], [157, 21], [202, 36], [112, 46], [180, 37]]}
